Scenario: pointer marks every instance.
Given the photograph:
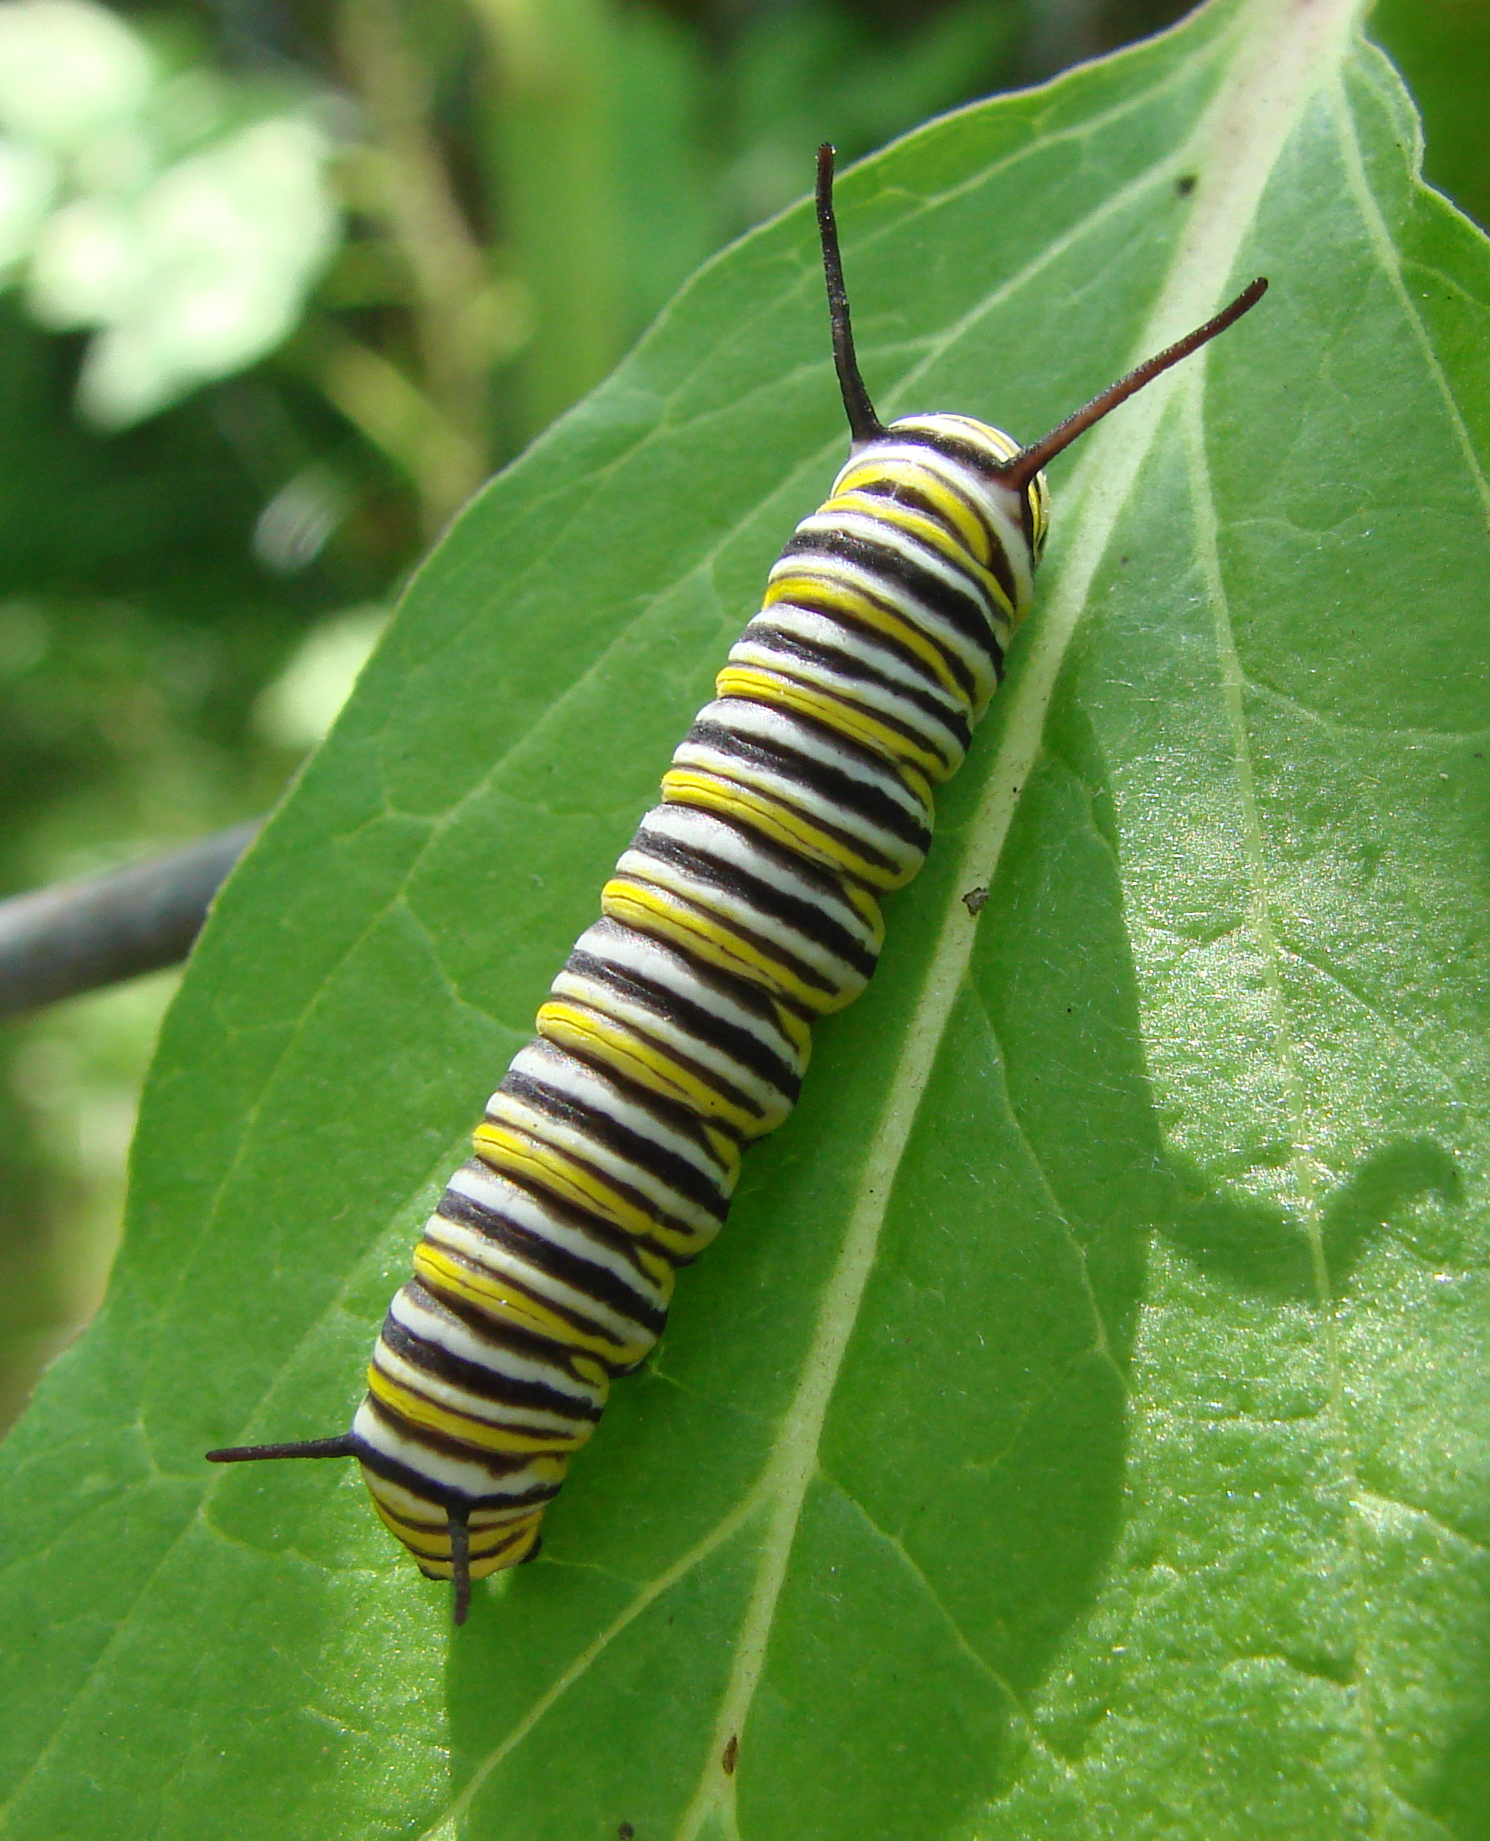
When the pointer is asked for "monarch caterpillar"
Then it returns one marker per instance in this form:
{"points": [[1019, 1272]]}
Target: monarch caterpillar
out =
{"points": [[746, 905]]}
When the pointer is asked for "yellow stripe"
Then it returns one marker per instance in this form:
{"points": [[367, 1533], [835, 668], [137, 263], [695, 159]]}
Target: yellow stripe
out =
{"points": [[953, 507], [544, 1166], [655, 911], [509, 1549], [488, 1522], [529, 1159], [595, 1037], [443, 1274], [512, 1553], [834, 712], [796, 1029], [927, 531], [1038, 494], [869, 912], [419, 1411], [591, 1371], [780, 822], [823, 592], [724, 1148], [423, 1545]]}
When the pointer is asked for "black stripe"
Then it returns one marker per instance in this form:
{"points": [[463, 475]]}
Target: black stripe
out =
{"points": [[746, 996], [581, 1275], [861, 797], [976, 461], [706, 1026], [503, 1535], [584, 1327], [770, 947], [644, 1205], [804, 591], [531, 1344], [614, 1239], [638, 1036], [682, 1177], [434, 1359], [998, 565], [501, 1538], [856, 846], [804, 915], [916, 743], [966, 610], [852, 665], [956, 447], [419, 1484]]}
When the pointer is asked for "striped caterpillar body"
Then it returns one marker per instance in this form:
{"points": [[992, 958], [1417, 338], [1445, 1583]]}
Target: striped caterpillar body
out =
{"points": [[746, 905]]}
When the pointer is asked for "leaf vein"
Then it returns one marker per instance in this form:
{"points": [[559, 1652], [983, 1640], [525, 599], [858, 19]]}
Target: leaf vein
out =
{"points": [[959, 1636]]}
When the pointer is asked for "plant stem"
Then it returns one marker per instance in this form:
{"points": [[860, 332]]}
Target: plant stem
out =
{"points": [[452, 287], [552, 167]]}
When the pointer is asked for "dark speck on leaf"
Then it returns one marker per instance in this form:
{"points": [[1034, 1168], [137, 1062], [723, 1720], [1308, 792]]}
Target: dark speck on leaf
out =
{"points": [[1185, 184], [731, 1755], [625, 1832], [974, 900]]}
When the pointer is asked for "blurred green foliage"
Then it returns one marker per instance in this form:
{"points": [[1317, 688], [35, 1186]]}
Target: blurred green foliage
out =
{"points": [[1442, 48], [515, 187]]}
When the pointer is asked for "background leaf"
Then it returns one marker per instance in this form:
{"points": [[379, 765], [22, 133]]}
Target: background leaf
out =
{"points": [[1081, 1427]]}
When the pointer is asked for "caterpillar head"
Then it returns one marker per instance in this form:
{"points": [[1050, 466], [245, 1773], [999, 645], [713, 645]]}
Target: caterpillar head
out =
{"points": [[1018, 469]]}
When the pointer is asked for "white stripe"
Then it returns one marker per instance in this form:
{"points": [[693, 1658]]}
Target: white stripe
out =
{"points": [[735, 848], [479, 1183], [786, 730], [864, 579], [568, 1077], [653, 963], [836, 982], [531, 1277], [816, 627], [444, 1330], [460, 1400], [755, 652], [419, 1509], [657, 1030], [468, 1476]]}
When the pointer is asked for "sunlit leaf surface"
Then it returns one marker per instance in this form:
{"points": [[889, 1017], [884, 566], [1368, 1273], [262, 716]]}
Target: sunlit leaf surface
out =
{"points": [[1082, 1427]]}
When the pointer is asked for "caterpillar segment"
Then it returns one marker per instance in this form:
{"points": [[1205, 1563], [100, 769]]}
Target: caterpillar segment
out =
{"points": [[678, 1031]]}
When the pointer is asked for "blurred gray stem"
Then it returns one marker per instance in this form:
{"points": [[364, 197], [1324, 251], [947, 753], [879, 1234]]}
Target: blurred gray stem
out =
{"points": [[57, 942], [1060, 33]]}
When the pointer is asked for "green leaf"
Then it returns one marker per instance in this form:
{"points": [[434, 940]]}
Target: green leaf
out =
{"points": [[1081, 1428]]}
